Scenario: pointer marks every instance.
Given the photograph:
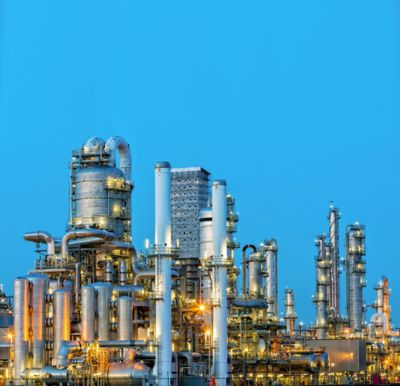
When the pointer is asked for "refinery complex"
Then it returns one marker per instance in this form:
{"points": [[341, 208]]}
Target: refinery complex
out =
{"points": [[93, 310]]}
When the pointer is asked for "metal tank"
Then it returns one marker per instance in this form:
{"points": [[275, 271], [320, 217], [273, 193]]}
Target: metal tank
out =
{"points": [[355, 270], [62, 318], [125, 330], [88, 310], [256, 288], [101, 189], [271, 248], [104, 292], [290, 314], [40, 285], [21, 327]]}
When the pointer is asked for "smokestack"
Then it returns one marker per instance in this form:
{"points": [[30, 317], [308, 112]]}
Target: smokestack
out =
{"points": [[163, 271], [220, 307]]}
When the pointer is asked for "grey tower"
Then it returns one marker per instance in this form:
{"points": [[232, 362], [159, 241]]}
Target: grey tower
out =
{"points": [[189, 194]]}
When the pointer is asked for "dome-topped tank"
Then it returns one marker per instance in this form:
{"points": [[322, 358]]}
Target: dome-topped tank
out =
{"points": [[100, 190]]}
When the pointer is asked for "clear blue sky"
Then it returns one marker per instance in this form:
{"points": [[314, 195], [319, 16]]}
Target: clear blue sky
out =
{"points": [[294, 103]]}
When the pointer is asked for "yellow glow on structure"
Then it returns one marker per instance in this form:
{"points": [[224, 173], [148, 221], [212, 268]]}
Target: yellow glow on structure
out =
{"points": [[202, 307]]}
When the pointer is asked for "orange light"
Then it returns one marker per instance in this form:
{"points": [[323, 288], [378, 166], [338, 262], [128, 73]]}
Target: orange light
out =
{"points": [[202, 307]]}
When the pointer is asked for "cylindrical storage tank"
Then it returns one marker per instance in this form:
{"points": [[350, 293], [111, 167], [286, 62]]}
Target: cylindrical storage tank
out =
{"points": [[21, 327], [98, 201], [40, 285], [255, 278], [62, 318], [88, 314], [104, 291], [125, 329]]}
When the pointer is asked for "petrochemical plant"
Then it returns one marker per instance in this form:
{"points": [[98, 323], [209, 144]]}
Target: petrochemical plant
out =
{"points": [[95, 311]]}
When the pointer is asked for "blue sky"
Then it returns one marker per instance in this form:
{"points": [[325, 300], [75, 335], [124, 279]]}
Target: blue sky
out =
{"points": [[294, 103]]}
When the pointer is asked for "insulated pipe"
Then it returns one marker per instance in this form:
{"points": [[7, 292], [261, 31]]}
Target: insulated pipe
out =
{"points": [[122, 343], [82, 234], [78, 281], [220, 306], [21, 327], [271, 248], [244, 275], [62, 318], [88, 314], [109, 271], [42, 237], [40, 285], [125, 161], [163, 241], [249, 303], [66, 349], [122, 272], [125, 329]]}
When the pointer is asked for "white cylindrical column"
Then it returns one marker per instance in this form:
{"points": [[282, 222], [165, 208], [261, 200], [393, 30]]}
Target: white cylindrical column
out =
{"points": [[220, 306], [104, 292], [163, 243]]}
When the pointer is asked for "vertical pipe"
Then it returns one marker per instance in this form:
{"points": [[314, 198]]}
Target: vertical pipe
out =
{"points": [[62, 318], [220, 328], [334, 301], [125, 329], [88, 314], [78, 282], [40, 284], [163, 271], [21, 327], [272, 278], [122, 272], [109, 271]]}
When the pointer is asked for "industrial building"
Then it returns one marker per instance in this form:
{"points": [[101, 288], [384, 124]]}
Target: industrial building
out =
{"points": [[95, 311]]}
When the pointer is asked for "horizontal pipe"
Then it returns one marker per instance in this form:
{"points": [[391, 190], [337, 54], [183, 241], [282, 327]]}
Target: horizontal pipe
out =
{"points": [[121, 343], [249, 303], [42, 237]]}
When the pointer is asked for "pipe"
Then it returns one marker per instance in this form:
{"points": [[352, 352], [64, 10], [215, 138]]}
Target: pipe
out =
{"points": [[125, 328], [47, 373], [78, 282], [127, 289], [121, 343], [220, 306], [271, 248], [162, 368], [42, 237], [122, 272], [249, 303], [62, 318], [109, 271], [88, 314], [82, 234], [61, 359], [40, 285], [125, 161], [21, 326], [244, 262], [254, 273]]}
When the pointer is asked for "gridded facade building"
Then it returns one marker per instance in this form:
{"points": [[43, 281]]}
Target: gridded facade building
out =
{"points": [[189, 194]]}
